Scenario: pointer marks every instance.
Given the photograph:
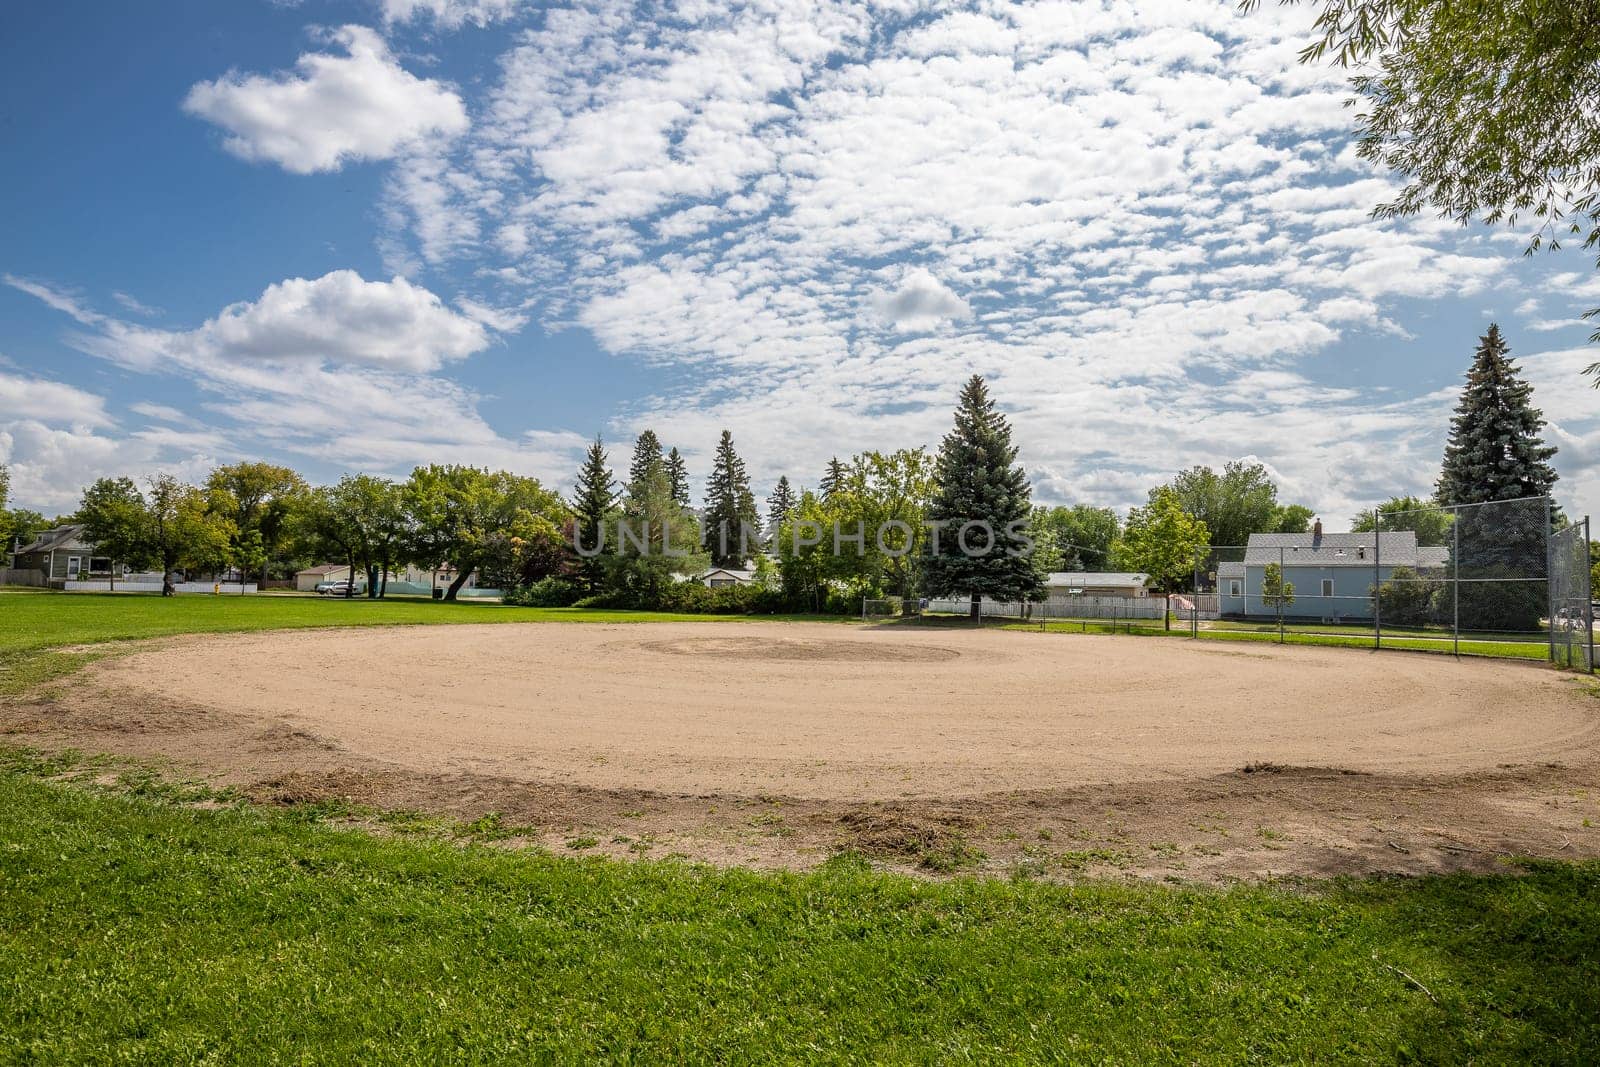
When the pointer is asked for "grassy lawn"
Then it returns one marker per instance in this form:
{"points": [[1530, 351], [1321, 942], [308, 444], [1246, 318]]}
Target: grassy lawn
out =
{"points": [[1498, 649], [42, 620], [1435, 632], [147, 921], [140, 930]]}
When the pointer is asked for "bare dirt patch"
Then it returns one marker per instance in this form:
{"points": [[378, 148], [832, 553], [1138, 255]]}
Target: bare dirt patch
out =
{"points": [[778, 744]]}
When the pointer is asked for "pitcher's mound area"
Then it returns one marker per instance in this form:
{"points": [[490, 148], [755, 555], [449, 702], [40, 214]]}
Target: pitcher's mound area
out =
{"points": [[831, 712]]}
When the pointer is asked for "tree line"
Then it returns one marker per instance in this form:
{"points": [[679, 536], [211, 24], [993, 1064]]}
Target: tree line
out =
{"points": [[871, 526], [265, 519]]}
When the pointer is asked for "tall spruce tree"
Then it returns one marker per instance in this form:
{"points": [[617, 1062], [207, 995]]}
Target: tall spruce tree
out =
{"points": [[1496, 458], [1495, 451], [647, 458], [732, 524], [780, 505], [832, 480], [678, 476], [594, 505], [980, 507]]}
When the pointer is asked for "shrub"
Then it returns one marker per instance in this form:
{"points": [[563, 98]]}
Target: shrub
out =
{"points": [[1406, 599], [546, 593]]}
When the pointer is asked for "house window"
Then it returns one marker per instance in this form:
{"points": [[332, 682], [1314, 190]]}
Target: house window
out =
{"points": [[1327, 587], [1233, 587], [74, 566]]}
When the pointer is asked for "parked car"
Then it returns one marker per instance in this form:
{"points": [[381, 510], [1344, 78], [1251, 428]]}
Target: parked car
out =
{"points": [[339, 588]]}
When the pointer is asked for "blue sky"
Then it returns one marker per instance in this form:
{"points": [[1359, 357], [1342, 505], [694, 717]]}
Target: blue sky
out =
{"points": [[359, 236]]}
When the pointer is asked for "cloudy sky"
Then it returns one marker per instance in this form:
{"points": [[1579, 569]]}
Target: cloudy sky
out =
{"points": [[360, 235]]}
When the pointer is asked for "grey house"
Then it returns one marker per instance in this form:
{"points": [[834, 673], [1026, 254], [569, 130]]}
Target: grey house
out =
{"points": [[1332, 574], [62, 555]]}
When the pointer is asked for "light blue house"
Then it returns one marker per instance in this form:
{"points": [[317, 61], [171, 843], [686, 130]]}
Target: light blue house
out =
{"points": [[1333, 574]]}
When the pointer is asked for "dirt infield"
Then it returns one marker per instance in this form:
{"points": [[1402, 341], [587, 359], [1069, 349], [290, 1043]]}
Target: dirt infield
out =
{"points": [[864, 735]]}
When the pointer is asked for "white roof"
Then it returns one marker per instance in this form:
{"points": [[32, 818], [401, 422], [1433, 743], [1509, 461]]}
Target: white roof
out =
{"points": [[1129, 579], [742, 575]]}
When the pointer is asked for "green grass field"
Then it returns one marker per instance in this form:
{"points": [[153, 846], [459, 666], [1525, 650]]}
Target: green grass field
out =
{"points": [[137, 929], [42, 620], [148, 921], [1409, 641]]}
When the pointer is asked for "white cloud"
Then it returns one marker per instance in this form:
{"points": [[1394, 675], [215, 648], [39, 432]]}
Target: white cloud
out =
{"points": [[333, 109], [49, 403], [1142, 219], [57, 438], [919, 302], [449, 14], [334, 369], [342, 318], [60, 299], [135, 305]]}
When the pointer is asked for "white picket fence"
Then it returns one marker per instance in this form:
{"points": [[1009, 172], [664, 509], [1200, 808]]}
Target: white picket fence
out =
{"points": [[102, 586], [1077, 607]]}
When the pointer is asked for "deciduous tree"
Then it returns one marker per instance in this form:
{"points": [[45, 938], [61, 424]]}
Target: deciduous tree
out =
{"points": [[260, 499], [1075, 538], [116, 521], [1276, 593], [1163, 541], [183, 530], [1430, 522], [1240, 501], [461, 514]]}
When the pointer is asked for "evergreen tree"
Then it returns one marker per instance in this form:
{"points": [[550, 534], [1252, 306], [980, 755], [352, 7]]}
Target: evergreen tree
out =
{"points": [[647, 459], [594, 503], [1495, 453], [780, 505], [655, 543], [678, 476], [980, 505], [833, 480], [731, 521]]}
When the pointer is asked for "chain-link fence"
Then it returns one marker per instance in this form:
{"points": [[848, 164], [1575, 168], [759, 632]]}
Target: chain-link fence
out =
{"points": [[1492, 579], [1571, 598]]}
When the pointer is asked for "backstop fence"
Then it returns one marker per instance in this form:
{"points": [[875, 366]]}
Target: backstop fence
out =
{"points": [[1507, 578]]}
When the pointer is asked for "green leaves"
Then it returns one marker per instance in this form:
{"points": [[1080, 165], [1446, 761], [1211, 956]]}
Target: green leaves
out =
{"points": [[1486, 108], [1162, 540]]}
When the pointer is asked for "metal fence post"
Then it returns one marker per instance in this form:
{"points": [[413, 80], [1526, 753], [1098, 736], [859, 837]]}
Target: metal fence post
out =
{"points": [[1588, 600], [1377, 578], [1194, 599], [1549, 578], [1455, 584]]}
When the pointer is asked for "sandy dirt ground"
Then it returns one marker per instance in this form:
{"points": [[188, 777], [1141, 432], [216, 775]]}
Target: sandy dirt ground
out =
{"points": [[778, 743]]}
